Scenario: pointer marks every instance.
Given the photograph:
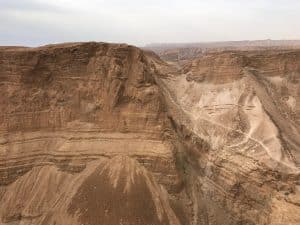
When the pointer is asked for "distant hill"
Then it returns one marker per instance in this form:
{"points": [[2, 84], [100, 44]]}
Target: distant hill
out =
{"points": [[180, 52], [223, 44]]}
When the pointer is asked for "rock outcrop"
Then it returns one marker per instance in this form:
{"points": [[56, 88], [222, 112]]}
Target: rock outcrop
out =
{"points": [[245, 106], [96, 133]]}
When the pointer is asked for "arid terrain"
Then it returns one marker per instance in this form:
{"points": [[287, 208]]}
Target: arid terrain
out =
{"points": [[182, 53], [110, 134]]}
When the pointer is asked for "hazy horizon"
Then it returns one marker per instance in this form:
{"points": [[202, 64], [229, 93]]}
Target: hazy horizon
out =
{"points": [[38, 22]]}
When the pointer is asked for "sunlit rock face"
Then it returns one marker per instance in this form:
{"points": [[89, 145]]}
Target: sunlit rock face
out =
{"points": [[96, 133], [245, 106], [65, 107]]}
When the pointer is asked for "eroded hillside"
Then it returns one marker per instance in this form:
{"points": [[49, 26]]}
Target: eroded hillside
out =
{"points": [[96, 133]]}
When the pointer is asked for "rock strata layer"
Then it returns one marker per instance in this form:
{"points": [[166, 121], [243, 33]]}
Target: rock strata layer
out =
{"points": [[96, 133]]}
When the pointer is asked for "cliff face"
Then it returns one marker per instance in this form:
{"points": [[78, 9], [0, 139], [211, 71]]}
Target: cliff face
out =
{"points": [[65, 106], [245, 106], [95, 133]]}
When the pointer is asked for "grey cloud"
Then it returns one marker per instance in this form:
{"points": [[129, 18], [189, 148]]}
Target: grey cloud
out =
{"points": [[29, 5], [34, 22]]}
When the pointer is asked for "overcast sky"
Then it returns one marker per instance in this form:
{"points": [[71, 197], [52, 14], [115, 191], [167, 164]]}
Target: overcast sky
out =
{"points": [[138, 22]]}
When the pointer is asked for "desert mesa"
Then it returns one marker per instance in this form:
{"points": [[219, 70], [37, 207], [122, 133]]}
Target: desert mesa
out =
{"points": [[96, 133]]}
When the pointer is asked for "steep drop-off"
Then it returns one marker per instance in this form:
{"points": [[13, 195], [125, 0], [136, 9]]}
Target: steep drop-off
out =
{"points": [[245, 105], [96, 133]]}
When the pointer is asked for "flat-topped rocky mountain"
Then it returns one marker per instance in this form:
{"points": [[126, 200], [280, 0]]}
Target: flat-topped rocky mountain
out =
{"points": [[109, 134]]}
